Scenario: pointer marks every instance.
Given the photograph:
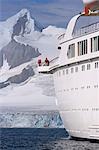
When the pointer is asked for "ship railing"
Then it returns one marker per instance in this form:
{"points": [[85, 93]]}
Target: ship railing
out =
{"points": [[53, 62], [85, 30], [61, 36], [47, 68]]}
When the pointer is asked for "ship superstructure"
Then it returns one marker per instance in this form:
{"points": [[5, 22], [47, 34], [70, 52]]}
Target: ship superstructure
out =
{"points": [[76, 78]]}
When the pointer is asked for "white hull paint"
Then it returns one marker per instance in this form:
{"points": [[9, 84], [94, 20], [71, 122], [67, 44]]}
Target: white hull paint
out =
{"points": [[78, 102], [76, 80]]}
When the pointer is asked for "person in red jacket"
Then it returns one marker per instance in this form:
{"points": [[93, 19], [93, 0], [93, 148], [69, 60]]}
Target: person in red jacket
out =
{"points": [[39, 62], [46, 62]]}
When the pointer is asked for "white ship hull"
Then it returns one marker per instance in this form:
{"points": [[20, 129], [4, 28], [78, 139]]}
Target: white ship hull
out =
{"points": [[78, 102], [76, 78]]}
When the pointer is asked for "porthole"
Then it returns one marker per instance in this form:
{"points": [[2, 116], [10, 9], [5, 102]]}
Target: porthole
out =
{"points": [[88, 67], [83, 67], [96, 65], [76, 69], [88, 87], [66, 71], [72, 70], [63, 72], [95, 86], [59, 73]]}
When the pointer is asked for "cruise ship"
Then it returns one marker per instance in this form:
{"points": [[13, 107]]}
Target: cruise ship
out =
{"points": [[76, 78]]}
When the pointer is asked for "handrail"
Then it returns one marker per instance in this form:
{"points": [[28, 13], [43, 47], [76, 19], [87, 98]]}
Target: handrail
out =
{"points": [[85, 30], [61, 36], [53, 61]]}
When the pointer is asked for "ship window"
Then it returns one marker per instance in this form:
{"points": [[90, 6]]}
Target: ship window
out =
{"points": [[72, 70], [83, 67], [88, 67], [88, 87], [96, 65], [95, 44], [59, 47], [66, 71], [95, 86], [82, 47], [71, 51], [76, 69], [59, 73], [63, 72]]}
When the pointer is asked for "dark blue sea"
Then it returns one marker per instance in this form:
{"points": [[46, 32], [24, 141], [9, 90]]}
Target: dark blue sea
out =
{"points": [[41, 139]]}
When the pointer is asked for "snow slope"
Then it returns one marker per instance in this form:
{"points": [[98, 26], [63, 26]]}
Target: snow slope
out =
{"points": [[37, 90]]}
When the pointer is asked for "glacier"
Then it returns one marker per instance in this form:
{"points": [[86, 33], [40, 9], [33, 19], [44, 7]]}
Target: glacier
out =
{"points": [[37, 119]]}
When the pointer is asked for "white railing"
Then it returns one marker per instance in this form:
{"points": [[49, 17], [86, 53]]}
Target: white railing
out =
{"points": [[52, 65], [85, 30], [61, 36], [53, 62]]}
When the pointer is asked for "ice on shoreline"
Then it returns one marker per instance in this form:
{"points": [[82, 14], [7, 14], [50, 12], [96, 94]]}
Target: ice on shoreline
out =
{"points": [[36, 119]]}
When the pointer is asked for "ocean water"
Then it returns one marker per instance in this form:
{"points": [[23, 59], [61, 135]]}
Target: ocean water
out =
{"points": [[41, 139]]}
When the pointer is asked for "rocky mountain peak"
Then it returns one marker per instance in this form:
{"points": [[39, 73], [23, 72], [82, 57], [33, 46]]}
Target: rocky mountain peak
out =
{"points": [[16, 53], [24, 23]]}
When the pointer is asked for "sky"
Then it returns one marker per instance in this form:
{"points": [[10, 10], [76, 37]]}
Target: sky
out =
{"points": [[54, 12]]}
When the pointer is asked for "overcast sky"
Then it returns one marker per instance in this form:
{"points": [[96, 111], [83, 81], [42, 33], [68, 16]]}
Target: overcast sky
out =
{"points": [[54, 12]]}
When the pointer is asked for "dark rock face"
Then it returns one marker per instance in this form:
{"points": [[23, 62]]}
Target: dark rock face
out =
{"points": [[20, 25], [1, 58], [17, 54], [17, 79], [26, 73], [3, 85]]}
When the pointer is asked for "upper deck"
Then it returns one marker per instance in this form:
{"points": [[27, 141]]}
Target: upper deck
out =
{"points": [[86, 30], [83, 31], [79, 46], [54, 63]]}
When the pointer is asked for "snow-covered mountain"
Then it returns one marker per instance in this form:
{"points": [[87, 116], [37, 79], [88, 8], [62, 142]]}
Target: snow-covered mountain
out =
{"points": [[22, 41], [15, 52]]}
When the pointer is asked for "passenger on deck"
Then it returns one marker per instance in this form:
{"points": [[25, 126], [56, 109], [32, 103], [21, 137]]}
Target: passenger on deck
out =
{"points": [[46, 62], [39, 62]]}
